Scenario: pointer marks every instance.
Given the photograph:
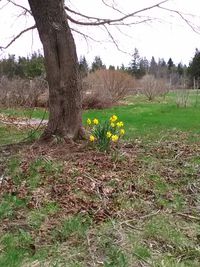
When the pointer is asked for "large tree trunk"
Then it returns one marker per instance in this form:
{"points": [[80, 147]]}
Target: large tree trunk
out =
{"points": [[61, 68]]}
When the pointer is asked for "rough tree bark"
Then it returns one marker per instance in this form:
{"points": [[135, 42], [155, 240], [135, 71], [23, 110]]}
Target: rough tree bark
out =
{"points": [[61, 67]]}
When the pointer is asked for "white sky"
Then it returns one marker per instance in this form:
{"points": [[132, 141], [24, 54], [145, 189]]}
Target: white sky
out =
{"points": [[166, 36]]}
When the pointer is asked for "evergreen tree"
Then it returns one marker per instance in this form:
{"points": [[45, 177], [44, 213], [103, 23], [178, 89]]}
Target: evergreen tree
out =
{"points": [[137, 65], [35, 66], [180, 69], [122, 67], [23, 67], [153, 68], [162, 69], [111, 67], [97, 64], [194, 66], [83, 67], [8, 66], [144, 66], [170, 65]]}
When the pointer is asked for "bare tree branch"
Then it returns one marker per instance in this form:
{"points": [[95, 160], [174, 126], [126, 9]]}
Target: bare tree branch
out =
{"points": [[113, 39], [17, 36], [133, 23], [182, 16], [85, 36], [100, 21], [96, 21], [113, 7], [4, 5], [20, 6], [82, 15]]}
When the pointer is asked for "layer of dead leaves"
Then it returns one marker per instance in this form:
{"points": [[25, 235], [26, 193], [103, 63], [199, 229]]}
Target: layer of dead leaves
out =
{"points": [[95, 183], [88, 182]]}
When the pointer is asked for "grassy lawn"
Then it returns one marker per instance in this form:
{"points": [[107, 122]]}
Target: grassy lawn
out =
{"points": [[141, 117], [144, 119], [26, 112], [10, 134], [63, 205]]}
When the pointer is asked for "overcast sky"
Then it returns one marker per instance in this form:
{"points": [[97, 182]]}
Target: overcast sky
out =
{"points": [[167, 35]]}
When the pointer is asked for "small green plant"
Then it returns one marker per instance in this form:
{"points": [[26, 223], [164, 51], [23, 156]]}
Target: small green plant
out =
{"points": [[15, 247], [75, 226], [102, 134], [37, 217], [9, 205]]}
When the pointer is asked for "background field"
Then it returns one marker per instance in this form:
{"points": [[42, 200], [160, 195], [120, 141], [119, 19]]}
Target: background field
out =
{"points": [[143, 119]]}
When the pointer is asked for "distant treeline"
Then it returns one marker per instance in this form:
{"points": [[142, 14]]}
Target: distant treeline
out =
{"points": [[23, 67], [33, 66]]}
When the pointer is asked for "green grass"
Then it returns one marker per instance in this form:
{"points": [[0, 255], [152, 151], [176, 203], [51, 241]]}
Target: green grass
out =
{"points": [[75, 227], [137, 206], [37, 217], [10, 134], [38, 113], [17, 246], [152, 118], [10, 205], [142, 118]]}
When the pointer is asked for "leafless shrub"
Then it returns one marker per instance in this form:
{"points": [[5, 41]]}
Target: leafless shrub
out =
{"points": [[42, 99], [95, 101], [182, 97], [93, 98], [152, 87], [21, 92], [105, 87]]}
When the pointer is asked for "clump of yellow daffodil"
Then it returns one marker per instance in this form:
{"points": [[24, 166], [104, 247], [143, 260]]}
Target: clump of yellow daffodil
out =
{"points": [[89, 122], [120, 124], [113, 118], [122, 132], [104, 133], [96, 121], [92, 138], [108, 134], [114, 138]]}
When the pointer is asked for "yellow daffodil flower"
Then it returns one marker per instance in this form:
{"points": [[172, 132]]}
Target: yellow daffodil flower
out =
{"points": [[96, 121], [112, 124], [120, 124], [92, 138], [122, 131], [89, 121], [113, 118], [108, 134], [115, 138]]}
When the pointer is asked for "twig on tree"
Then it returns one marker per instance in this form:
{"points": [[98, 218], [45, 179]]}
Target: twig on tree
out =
{"points": [[83, 15], [182, 17], [20, 6], [101, 21], [86, 36], [4, 5], [113, 7], [18, 35], [133, 23], [122, 32], [113, 40]]}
